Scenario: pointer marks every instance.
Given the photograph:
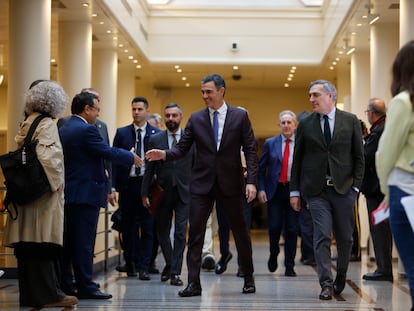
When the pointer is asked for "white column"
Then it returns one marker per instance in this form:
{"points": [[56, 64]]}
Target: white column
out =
{"points": [[383, 47], [360, 94], [406, 21], [75, 57], [126, 92], [29, 55], [343, 87], [104, 80], [360, 83]]}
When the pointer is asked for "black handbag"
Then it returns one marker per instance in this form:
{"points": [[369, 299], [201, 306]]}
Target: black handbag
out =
{"points": [[25, 178]]}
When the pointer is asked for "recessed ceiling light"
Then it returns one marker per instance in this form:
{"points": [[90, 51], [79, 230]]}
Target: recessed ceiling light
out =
{"points": [[130, 57], [286, 85], [177, 66], [179, 70], [94, 15], [126, 50], [235, 67], [187, 85], [135, 61], [85, 4], [183, 78], [138, 66]]}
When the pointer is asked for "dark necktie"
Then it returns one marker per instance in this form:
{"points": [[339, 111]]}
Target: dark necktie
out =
{"points": [[285, 162], [215, 126], [138, 146], [174, 142], [327, 130]]}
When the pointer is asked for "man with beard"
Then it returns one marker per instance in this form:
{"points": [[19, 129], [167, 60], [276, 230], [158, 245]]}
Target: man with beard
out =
{"points": [[174, 178]]}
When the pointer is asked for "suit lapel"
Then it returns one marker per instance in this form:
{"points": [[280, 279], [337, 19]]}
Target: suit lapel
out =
{"points": [[338, 125]]}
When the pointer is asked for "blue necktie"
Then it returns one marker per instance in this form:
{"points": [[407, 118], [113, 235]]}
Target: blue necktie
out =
{"points": [[327, 130], [215, 126]]}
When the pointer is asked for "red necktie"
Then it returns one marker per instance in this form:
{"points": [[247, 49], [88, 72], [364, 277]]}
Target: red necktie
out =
{"points": [[285, 163]]}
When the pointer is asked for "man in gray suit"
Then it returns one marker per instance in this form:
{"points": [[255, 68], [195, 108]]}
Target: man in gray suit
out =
{"points": [[327, 169], [174, 178]]}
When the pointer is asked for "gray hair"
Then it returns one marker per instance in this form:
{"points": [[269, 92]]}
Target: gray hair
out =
{"points": [[288, 112], [328, 87], [46, 97]]}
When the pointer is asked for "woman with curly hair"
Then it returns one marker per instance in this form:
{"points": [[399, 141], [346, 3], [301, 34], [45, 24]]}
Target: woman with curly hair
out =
{"points": [[37, 233]]}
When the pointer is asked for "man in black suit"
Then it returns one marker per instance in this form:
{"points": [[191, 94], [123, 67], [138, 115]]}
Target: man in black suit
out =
{"points": [[381, 233], [218, 132], [174, 178], [327, 169], [137, 223]]}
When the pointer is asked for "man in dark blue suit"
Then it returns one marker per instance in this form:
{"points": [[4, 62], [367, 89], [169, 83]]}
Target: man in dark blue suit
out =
{"points": [[219, 132], [85, 188], [327, 169], [274, 176], [137, 222], [174, 178]]}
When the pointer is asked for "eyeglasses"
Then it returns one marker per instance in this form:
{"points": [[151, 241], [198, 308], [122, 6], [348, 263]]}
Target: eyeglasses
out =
{"points": [[97, 109], [366, 111]]}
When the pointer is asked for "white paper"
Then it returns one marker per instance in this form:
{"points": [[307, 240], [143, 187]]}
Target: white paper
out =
{"points": [[380, 214], [408, 204]]}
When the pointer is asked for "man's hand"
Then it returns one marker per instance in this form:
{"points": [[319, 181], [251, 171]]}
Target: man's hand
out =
{"points": [[295, 203], [137, 160], [111, 198], [146, 201], [250, 192], [155, 154], [262, 197]]}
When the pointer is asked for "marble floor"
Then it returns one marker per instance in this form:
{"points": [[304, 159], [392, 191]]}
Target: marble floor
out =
{"points": [[223, 292]]}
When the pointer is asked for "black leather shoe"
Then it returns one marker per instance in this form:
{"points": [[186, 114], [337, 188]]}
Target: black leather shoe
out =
{"points": [[249, 286], [355, 258], [309, 262], [339, 284], [377, 276], [165, 274], [192, 289], [272, 263], [221, 265], [290, 272], [121, 268], [144, 275], [326, 293], [175, 280], [95, 295], [153, 270], [208, 262]]}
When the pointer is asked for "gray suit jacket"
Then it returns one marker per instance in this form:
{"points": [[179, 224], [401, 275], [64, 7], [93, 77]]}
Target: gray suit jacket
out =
{"points": [[345, 155]]}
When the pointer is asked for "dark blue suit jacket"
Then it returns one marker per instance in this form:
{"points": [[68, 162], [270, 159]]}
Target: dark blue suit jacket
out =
{"points": [[270, 165], [125, 138], [84, 153]]}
